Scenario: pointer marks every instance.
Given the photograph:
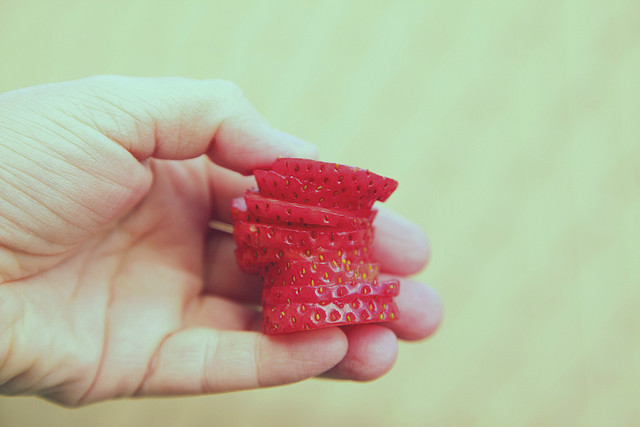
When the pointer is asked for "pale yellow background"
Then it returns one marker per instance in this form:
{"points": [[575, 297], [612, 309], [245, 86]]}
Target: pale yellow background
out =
{"points": [[513, 129]]}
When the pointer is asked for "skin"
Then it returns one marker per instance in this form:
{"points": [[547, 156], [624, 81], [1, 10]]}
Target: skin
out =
{"points": [[113, 285]]}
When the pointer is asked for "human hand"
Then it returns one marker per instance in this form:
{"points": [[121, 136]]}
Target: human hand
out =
{"points": [[111, 282]]}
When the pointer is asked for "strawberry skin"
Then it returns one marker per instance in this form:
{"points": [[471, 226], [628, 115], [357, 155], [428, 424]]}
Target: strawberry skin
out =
{"points": [[273, 236], [346, 293], [303, 273], [358, 182], [293, 317], [306, 230], [254, 207], [251, 260], [291, 189]]}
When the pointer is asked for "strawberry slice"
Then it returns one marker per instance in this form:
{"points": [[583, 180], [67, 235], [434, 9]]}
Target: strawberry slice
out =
{"points": [[274, 236], [346, 293], [272, 210], [337, 177], [301, 273], [290, 189], [285, 318], [252, 260]]}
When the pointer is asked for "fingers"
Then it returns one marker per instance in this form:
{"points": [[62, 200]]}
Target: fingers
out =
{"points": [[400, 246], [221, 273], [195, 361], [224, 186], [70, 153], [372, 352], [373, 348], [172, 118], [220, 313], [420, 306], [420, 310]]}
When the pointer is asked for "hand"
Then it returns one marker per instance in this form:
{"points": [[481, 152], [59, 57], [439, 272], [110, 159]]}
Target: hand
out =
{"points": [[111, 282]]}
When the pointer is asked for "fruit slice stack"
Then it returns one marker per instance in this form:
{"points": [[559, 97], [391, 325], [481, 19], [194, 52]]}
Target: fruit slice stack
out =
{"points": [[307, 231]]}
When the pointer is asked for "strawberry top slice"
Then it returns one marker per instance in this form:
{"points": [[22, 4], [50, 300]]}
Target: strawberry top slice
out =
{"points": [[336, 176], [291, 189]]}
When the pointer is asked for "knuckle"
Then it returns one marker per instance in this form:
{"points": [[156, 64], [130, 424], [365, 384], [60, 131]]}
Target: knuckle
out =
{"points": [[227, 88], [227, 94]]}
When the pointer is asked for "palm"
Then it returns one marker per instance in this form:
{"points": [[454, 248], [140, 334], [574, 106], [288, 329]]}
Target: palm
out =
{"points": [[128, 288]]}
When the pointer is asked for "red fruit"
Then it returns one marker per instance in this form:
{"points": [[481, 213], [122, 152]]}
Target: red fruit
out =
{"points": [[337, 177], [273, 295], [302, 273], [274, 211], [274, 236], [285, 318], [247, 259], [307, 232], [252, 260], [272, 184]]}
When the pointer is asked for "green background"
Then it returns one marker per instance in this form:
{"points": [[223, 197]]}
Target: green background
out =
{"points": [[513, 129]]}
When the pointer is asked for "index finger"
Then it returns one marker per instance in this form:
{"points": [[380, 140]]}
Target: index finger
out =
{"points": [[400, 245]]}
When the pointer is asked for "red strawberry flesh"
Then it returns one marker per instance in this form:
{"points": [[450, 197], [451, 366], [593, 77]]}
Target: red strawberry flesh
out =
{"points": [[293, 317], [279, 211], [250, 259], [303, 273], [336, 176], [306, 231], [270, 235], [291, 189], [345, 293]]}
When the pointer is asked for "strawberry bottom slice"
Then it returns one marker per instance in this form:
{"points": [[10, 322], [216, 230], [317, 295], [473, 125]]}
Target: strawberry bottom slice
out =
{"points": [[293, 317], [274, 295]]}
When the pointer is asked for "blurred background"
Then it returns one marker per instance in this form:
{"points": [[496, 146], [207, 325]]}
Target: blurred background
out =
{"points": [[513, 129]]}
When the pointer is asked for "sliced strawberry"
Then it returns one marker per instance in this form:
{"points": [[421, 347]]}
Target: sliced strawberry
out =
{"points": [[270, 210], [285, 318], [337, 177], [302, 273], [272, 184], [274, 295], [252, 260], [306, 230], [274, 236]]}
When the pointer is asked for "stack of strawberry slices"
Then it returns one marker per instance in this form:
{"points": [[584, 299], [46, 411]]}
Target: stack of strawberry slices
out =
{"points": [[307, 231]]}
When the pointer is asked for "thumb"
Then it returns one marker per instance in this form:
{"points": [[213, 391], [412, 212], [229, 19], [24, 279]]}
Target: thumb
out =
{"points": [[71, 153], [178, 118]]}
